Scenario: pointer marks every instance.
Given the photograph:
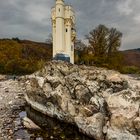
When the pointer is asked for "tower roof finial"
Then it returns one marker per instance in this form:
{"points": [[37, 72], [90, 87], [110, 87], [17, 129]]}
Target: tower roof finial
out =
{"points": [[60, 1]]}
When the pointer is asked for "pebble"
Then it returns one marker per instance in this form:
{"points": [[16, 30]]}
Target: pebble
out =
{"points": [[6, 90], [9, 137], [10, 132], [10, 102], [15, 129], [39, 138], [51, 137], [7, 128], [17, 97], [20, 94]]}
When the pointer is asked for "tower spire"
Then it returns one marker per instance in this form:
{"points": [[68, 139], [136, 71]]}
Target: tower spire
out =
{"points": [[59, 1], [63, 21]]}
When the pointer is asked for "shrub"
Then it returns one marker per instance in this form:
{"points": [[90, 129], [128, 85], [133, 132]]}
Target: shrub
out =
{"points": [[130, 70]]}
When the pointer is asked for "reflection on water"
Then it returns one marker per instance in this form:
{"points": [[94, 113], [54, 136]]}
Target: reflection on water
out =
{"points": [[53, 129], [22, 114]]}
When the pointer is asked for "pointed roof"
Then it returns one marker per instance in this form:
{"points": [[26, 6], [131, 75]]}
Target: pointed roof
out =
{"points": [[60, 0]]}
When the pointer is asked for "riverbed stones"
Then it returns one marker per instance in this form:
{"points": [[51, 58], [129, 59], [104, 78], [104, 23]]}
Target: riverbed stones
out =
{"points": [[9, 106], [2, 77], [103, 104]]}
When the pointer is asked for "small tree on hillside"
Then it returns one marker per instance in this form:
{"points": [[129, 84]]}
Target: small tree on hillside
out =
{"points": [[114, 41], [98, 40], [105, 44]]}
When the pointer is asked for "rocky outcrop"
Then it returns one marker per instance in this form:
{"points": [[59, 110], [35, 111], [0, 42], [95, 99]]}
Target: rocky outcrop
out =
{"points": [[102, 103]]}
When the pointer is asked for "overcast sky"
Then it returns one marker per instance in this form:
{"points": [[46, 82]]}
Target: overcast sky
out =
{"points": [[30, 19]]}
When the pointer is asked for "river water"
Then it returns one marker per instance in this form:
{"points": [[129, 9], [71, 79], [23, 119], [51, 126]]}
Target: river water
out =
{"points": [[51, 129]]}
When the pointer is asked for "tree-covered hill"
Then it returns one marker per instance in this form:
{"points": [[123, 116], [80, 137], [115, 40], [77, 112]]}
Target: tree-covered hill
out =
{"points": [[23, 56]]}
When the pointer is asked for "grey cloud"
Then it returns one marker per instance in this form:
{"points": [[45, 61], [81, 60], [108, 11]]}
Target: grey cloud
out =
{"points": [[30, 19]]}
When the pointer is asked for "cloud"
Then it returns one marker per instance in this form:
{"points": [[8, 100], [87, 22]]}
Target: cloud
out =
{"points": [[124, 7], [30, 19], [137, 18]]}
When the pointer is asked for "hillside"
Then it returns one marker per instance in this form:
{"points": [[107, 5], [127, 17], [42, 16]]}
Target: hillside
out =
{"points": [[23, 56], [36, 50], [132, 57]]}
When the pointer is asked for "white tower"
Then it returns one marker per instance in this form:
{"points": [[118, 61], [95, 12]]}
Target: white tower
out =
{"points": [[63, 28]]}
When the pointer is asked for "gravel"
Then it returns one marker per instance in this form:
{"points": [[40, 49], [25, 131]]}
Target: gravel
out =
{"points": [[11, 102]]}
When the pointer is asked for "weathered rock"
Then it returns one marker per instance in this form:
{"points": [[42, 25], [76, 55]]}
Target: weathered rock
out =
{"points": [[104, 104], [2, 77], [115, 134], [91, 126], [136, 123], [30, 124]]}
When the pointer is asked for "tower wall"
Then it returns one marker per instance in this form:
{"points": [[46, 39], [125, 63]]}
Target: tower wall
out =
{"points": [[63, 23], [68, 37], [60, 40], [54, 38], [54, 30]]}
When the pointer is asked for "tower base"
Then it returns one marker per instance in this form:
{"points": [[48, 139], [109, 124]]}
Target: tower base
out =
{"points": [[62, 57]]}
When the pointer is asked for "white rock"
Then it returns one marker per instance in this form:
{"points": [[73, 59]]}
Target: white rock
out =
{"points": [[30, 124], [10, 103]]}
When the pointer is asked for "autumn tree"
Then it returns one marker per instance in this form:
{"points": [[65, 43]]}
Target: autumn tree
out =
{"points": [[105, 44], [98, 40], [114, 41]]}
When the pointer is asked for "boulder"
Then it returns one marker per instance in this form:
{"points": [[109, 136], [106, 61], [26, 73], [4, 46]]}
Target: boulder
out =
{"points": [[103, 104]]}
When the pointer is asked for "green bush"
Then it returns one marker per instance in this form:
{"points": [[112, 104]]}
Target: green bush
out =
{"points": [[130, 70]]}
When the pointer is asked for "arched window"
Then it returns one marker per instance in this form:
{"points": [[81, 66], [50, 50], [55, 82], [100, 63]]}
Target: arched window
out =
{"points": [[66, 30]]}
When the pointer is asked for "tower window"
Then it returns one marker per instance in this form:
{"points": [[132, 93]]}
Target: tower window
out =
{"points": [[72, 47], [59, 9], [66, 30]]}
